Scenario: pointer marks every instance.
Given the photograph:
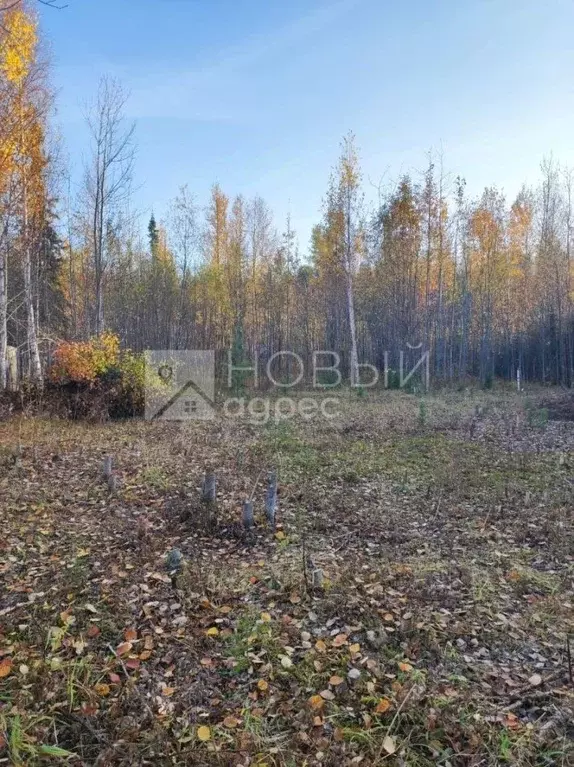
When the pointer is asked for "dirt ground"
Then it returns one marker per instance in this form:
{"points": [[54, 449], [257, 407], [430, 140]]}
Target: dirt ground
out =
{"points": [[435, 633]]}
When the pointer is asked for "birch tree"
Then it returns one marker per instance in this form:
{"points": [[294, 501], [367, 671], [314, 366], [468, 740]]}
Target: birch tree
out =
{"points": [[108, 178]]}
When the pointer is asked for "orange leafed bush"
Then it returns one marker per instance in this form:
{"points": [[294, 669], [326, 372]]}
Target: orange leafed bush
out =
{"points": [[84, 361]]}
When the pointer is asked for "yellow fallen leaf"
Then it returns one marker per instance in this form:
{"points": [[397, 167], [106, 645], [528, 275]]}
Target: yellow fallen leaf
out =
{"points": [[280, 535], [382, 706], [168, 691], [102, 689], [316, 702], [265, 617], [5, 667], [320, 646], [204, 733], [212, 632], [355, 649], [262, 685], [335, 680]]}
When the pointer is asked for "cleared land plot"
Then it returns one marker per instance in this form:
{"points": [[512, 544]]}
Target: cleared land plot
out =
{"points": [[439, 636]]}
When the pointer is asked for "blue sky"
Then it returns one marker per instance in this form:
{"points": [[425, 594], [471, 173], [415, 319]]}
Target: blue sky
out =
{"points": [[257, 95]]}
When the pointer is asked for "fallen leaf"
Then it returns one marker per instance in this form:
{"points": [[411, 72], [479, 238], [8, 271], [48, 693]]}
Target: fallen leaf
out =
{"points": [[265, 617], [124, 648], [262, 685], [355, 649], [130, 635], [335, 680], [102, 689], [92, 631], [390, 745], [511, 721], [383, 705], [231, 722], [327, 695], [318, 721], [168, 691], [340, 640], [286, 661], [320, 646], [406, 667], [204, 733], [212, 632], [5, 667], [535, 680], [316, 702], [294, 599]]}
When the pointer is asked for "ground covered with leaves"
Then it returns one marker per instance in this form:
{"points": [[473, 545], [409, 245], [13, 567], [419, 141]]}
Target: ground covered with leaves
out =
{"points": [[438, 636]]}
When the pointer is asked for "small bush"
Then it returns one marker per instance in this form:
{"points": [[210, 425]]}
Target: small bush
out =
{"points": [[537, 417], [85, 361], [97, 378], [422, 419]]}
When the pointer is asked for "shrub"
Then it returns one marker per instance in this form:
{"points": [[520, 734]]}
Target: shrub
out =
{"points": [[422, 414], [537, 417], [96, 375], [85, 361], [132, 383]]}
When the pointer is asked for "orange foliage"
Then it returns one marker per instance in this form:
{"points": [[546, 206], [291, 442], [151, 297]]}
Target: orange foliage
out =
{"points": [[84, 361]]}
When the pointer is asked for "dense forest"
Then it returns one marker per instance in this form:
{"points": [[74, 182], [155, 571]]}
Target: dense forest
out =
{"points": [[483, 284]]}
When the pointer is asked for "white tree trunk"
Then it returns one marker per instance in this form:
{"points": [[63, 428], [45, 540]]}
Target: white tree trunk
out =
{"points": [[352, 330], [33, 349], [3, 319]]}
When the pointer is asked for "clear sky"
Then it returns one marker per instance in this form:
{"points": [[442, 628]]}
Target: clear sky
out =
{"points": [[256, 94]]}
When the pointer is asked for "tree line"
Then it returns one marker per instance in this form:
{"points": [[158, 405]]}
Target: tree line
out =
{"points": [[483, 284]]}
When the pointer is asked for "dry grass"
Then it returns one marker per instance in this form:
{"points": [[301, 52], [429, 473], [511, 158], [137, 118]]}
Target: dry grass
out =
{"points": [[445, 535]]}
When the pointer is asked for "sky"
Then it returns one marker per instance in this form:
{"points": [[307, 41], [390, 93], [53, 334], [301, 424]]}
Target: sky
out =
{"points": [[257, 94]]}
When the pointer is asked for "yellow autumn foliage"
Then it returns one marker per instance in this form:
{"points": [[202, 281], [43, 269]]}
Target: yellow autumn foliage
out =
{"points": [[18, 45]]}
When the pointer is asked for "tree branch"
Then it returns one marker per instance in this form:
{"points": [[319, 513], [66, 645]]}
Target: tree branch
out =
{"points": [[48, 3]]}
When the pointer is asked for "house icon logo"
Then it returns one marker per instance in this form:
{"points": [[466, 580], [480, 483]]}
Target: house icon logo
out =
{"points": [[180, 385]]}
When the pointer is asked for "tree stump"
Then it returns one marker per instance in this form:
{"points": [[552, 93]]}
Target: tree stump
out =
{"points": [[271, 498], [209, 489], [248, 520], [108, 467]]}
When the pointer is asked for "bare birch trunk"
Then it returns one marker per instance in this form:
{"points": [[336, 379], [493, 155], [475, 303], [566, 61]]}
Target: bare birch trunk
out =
{"points": [[3, 318]]}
